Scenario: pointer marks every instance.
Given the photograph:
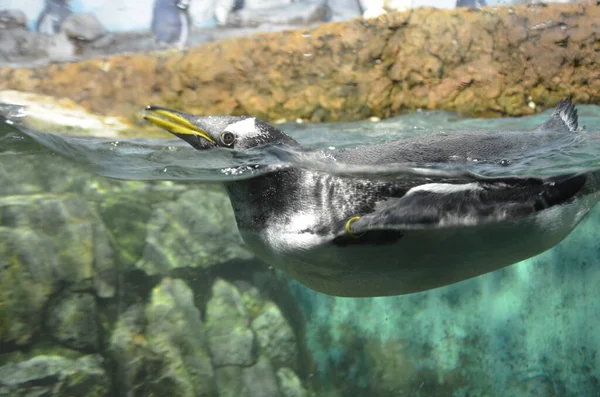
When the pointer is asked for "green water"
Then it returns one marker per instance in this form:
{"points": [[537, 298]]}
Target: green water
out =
{"points": [[139, 285]]}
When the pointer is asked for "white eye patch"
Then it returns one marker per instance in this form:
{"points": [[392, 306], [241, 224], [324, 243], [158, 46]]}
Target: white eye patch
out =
{"points": [[242, 127]]}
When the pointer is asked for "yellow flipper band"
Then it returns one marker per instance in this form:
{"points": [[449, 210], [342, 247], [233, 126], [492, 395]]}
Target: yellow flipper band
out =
{"points": [[176, 124], [349, 227]]}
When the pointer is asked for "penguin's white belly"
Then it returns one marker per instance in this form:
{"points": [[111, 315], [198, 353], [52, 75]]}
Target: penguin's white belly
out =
{"points": [[421, 259], [46, 26]]}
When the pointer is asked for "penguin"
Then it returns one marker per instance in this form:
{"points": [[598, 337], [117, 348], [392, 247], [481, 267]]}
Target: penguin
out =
{"points": [[470, 3], [171, 22], [351, 236], [52, 16]]}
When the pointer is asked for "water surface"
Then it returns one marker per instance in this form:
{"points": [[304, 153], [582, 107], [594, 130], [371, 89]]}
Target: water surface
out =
{"points": [[172, 159]]}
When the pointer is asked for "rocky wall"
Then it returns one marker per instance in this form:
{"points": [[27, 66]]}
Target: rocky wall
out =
{"points": [[115, 288], [489, 61]]}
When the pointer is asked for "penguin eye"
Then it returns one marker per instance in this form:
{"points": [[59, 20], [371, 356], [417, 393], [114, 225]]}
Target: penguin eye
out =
{"points": [[227, 138]]}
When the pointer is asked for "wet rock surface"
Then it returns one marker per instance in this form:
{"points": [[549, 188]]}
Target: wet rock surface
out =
{"points": [[231, 340], [197, 230], [289, 383], [69, 286], [161, 348], [55, 376], [275, 336], [73, 321], [480, 62], [168, 356], [259, 379], [250, 342], [164, 347], [47, 242]]}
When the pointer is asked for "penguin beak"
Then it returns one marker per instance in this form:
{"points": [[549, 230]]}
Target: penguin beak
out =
{"points": [[181, 125]]}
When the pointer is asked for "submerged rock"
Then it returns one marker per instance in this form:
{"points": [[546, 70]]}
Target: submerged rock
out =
{"points": [[24, 287], [175, 331], [197, 230], [275, 336], [55, 376], [48, 241], [168, 356], [246, 357], [534, 385], [135, 363], [289, 383], [79, 249], [229, 381], [231, 341], [72, 321], [35, 172], [126, 212], [259, 379], [256, 381]]}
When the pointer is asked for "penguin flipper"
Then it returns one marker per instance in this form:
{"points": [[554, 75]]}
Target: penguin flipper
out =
{"points": [[442, 205], [564, 118]]}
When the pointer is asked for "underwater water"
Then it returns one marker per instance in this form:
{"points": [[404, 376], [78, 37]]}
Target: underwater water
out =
{"points": [[121, 273]]}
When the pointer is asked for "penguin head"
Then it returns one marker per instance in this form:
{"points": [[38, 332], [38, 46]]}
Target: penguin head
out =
{"points": [[207, 132], [62, 3]]}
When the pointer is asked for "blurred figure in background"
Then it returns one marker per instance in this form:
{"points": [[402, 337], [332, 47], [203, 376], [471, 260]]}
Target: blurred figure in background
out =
{"points": [[171, 22], [52, 16], [375, 8], [225, 7], [470, 3]]}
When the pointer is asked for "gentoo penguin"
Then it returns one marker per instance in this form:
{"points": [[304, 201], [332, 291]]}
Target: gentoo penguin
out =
{"points": [[470, 3], [359, 237], [52, 16], [171, 22]]}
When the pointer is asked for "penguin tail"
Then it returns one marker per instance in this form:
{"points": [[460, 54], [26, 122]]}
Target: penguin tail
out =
{"points": [[563, 119]]}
